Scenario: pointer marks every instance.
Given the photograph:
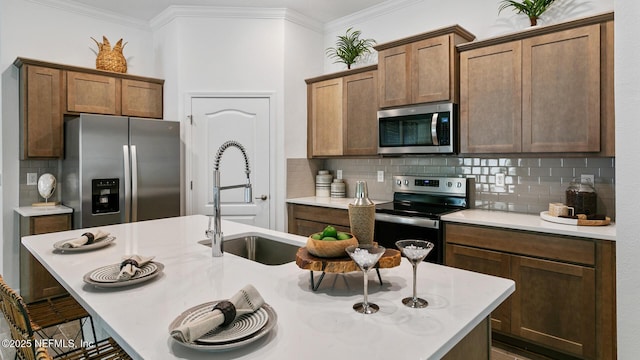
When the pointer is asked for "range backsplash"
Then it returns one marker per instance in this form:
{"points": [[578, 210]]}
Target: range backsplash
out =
{"points": [[530, 183]]}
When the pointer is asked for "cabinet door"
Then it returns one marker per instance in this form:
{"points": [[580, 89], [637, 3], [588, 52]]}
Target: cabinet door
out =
{"points": [[91, 93], [36, 283], [141, 99], [554, 305], [42, 112], [360, 109], [430, 69], [561, 91], [485, 262], [394, 74], [325, 118], [491, 99]]}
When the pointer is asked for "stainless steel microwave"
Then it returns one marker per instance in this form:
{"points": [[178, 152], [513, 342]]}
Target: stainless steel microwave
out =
{"points": [[419, 129]]}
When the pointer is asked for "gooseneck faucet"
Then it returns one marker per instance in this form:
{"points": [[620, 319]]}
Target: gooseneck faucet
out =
{"points": [[216, 234]]}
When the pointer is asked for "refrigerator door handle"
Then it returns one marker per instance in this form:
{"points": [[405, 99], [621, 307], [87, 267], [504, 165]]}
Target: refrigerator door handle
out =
{"points": [[127, 184], [134, 184]]}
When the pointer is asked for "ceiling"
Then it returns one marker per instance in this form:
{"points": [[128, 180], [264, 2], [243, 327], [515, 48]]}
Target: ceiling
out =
{"points": [[321, 10]]}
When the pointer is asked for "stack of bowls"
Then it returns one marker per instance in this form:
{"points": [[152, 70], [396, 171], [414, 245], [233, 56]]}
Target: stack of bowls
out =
{"points": [[323, 183]]}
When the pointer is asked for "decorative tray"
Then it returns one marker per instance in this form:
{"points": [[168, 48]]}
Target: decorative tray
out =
{"points": [[304, 260]]}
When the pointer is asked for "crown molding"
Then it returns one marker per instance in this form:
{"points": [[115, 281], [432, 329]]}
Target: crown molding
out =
{"points": [[173, 12], [81, 9], [386, 7]]}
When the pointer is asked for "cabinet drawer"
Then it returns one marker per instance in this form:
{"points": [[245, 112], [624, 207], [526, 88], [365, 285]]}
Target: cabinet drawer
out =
{"points": [[569, 249], [320, 214], [49, 224], [91, 93], [305, 219]]}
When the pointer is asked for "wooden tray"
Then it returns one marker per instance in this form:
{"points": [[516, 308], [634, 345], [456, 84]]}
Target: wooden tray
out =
{"points": [[304, 260]]}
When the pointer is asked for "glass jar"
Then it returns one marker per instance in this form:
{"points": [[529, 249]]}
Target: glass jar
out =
{"points": [[582, 197]]}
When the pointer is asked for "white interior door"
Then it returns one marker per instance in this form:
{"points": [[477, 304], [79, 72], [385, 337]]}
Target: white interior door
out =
{"points": [[216, 120]]}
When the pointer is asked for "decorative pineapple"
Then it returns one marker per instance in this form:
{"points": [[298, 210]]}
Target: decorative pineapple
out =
{"points": [[110, 59]]}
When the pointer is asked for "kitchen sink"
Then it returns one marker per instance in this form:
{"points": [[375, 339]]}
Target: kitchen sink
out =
{"points": [[258, 248]]}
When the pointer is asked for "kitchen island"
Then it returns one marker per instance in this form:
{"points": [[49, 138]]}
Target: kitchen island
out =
{"points": [[310, 325]]}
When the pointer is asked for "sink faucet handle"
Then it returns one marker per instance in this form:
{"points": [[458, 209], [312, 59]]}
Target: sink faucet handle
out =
{"points": [[248, 194]]}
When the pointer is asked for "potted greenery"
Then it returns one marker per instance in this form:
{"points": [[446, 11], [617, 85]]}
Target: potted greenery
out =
{"points": [[532, 8], [349, 48]]}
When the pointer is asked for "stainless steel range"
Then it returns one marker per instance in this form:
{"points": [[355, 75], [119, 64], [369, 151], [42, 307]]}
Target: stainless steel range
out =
{"points": [[418, 203]]}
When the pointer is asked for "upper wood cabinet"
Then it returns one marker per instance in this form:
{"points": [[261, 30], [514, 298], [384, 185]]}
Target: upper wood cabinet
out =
{"points": [[546, 91], [421, 68], [41, 104], [141, 98], [91, 93], [49, 91], [325, 118], [342, 113], [491, 99], [360, 114]]}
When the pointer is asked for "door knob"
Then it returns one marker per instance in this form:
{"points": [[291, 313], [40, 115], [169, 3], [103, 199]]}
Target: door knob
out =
{"points": [[261, 197]]}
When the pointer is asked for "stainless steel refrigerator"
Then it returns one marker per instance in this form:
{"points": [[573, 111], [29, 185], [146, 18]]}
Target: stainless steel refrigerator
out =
{"points": [[118, 169]]}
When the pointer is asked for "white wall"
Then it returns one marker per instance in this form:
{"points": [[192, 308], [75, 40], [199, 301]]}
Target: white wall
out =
{"points": [[627, 78]]}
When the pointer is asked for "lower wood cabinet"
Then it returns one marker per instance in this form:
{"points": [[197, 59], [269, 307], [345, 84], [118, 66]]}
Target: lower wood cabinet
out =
{"points": [[306, 219], [36, 283], [565, 286]]}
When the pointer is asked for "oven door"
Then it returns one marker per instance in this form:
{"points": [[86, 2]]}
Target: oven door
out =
{"points": [[391, 228]]}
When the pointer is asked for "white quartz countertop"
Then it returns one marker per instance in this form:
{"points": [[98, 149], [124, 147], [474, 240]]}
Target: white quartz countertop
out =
{"points": [[29, 211], [529, 222], [310, 325], [338, 203]]}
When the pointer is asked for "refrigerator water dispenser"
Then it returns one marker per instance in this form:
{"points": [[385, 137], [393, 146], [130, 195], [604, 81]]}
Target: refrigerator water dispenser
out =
{"points": [[104, 196]]}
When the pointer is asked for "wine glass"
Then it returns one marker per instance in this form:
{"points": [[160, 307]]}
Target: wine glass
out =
{"points": [[415, 251], [365, 256]]}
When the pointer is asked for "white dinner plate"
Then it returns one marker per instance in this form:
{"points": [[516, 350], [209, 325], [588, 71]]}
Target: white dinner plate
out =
{"points": [[138, 278], [245, 330], [558, 220], [100, 243]]}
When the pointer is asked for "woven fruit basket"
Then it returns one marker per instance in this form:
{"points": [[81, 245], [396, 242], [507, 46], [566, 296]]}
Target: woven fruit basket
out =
{"points": [[110, 59]]}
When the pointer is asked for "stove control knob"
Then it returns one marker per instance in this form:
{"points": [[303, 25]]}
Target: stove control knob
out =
{"points": [[459, 184], [449, 184], [406, 182], [398, 182]]}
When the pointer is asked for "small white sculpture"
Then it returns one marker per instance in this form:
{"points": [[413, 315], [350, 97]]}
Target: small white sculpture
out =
{"points": [[46, 186]]}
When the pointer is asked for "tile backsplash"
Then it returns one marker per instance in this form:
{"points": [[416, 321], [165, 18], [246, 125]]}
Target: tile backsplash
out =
{"points": [[29, 193], [530, 183]]}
